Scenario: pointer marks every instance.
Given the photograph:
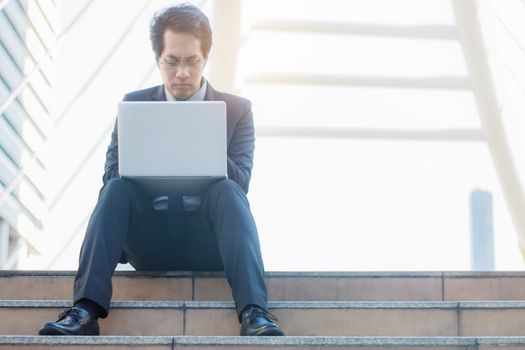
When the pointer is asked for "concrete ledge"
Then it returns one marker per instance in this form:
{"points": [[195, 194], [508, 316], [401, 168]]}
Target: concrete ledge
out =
{"points": [[87, 340], [71, 273], [320, 274], [510, 304], [271, 305], [220, 274], [513, 304], [482, 274], [264, 341], [500, 341]]}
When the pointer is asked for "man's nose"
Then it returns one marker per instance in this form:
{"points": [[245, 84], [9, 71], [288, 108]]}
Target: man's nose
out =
{"points": [[182, 72]]}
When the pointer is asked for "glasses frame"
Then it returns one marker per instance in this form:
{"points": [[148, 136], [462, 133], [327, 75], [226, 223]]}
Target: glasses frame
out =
{"points": [[175, 64]]}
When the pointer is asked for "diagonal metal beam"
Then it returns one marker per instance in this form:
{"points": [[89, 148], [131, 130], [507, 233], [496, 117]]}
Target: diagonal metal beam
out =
{"points": [[68, 240], [467, 17], [31, 24], [3, 3], [509, 32], [105, 61], [102, 137], [514, 77], [45, 15]]}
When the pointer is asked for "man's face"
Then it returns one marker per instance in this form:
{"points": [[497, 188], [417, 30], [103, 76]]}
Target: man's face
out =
{"points": [[181, 64]]}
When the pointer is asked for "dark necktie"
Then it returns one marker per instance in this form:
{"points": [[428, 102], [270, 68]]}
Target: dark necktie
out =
{"points": [[175, 216]]}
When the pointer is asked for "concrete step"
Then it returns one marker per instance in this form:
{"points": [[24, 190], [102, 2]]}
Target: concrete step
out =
{"points": [[445, 318], [246, 343], [292, 286]]}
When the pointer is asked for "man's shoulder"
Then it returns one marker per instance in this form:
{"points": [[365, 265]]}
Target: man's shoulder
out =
{"points": [[232, 101], [147, 94]]}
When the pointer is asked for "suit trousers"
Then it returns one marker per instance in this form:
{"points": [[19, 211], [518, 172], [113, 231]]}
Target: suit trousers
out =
{"points": [[220, 235]]}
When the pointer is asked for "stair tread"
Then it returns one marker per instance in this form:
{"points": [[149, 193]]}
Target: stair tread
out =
{"points": [[327, 274], [137, 304], [285, 341]]}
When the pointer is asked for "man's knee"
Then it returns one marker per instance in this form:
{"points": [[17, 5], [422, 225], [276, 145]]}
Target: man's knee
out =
{"points": [[118, 188], [225, 189]]}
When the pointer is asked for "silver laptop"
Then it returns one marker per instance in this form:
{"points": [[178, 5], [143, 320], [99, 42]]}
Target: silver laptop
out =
{"points": [[172, 147]]}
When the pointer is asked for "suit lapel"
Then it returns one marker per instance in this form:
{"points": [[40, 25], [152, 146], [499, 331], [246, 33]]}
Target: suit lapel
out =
{"points": [[159, 94], [210, 93]]}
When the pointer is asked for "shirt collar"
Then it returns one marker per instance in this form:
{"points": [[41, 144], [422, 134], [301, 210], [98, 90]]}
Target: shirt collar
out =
{"points": [[197, 96]]}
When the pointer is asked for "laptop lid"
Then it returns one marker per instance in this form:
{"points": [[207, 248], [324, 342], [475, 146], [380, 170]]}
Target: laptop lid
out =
{"points": [[164, 139]]}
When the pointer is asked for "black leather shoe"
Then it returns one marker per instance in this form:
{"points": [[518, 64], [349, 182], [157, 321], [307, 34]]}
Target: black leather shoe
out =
{"points": [[256, 321], [74, 321]]}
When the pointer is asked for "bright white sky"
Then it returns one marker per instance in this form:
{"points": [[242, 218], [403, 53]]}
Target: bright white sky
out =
{"points": [[319, 204]]}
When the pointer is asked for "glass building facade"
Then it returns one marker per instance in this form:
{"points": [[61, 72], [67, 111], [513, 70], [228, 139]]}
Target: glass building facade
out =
{"points": [[28, 30]]}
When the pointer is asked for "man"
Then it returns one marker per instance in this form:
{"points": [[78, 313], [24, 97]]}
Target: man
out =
{"points": [[219, 232]]}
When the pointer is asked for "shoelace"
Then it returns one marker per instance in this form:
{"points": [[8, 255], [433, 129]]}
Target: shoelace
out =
{"points": [[63, 314], [255, 312]]}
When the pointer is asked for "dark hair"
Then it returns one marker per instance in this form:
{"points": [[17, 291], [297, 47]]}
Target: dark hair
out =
{"points": [[182, 18]]}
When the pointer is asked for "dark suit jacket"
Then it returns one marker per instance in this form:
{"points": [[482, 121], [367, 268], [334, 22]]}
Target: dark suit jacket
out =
{"points": [[240, 133]]}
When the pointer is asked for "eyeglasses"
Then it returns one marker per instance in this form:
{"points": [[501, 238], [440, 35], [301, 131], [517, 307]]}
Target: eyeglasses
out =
{"points": [[174, 64]]}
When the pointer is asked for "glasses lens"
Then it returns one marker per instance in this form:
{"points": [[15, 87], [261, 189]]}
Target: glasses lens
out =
{"points": [[173, 64]]}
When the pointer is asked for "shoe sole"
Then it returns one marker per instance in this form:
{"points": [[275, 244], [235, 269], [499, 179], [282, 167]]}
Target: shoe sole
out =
{"points": [[50, 330], [270, 331]]}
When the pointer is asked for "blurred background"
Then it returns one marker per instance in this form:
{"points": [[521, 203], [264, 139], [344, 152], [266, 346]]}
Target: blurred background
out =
{"points": [[390, 133]]}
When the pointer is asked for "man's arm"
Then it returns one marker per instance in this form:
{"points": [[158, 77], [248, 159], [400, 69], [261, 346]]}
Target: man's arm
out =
{"points": [[111, 166], [240, 150]]}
